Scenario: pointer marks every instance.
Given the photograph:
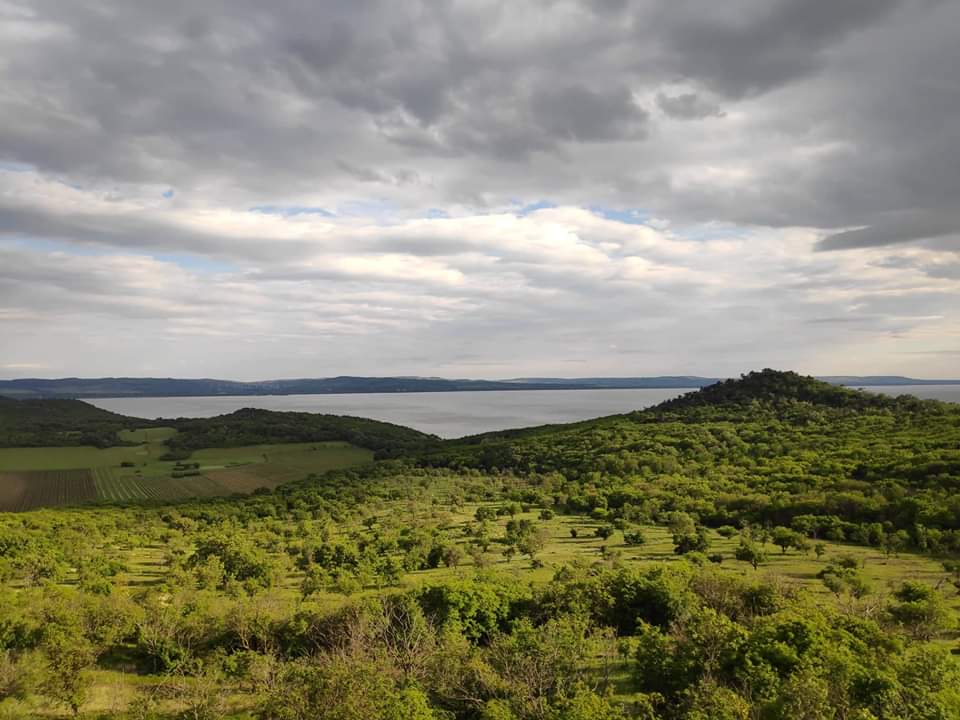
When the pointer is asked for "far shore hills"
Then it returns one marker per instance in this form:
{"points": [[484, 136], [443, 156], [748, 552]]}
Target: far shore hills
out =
{"points": [[27, 388]]}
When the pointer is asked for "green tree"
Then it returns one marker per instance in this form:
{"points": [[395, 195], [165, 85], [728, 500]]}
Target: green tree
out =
{"points": [[750, 553]]}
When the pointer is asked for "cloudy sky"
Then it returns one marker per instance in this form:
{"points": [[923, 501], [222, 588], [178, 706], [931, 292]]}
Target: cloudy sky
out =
{"points": [[479, 188]]}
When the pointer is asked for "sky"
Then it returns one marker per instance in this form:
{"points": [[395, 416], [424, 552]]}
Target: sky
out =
{"points": [[479, 188]]}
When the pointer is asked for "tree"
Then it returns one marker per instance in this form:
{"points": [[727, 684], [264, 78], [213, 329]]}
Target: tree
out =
{"points": [[533, 542], [69, 658], [750, 553], [681, 524], [801, 544], [784, 538], [604, 532], [542, 665], [921, 610], [486, 512], [452, 555], [894, 542], [691, 542]]}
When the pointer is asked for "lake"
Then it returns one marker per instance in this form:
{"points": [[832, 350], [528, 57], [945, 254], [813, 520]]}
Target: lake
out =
{"points": [[449, 414]]}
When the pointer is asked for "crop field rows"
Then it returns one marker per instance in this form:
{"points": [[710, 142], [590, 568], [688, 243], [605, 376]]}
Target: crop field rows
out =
{"points": [[116, 487], [26, 490]]}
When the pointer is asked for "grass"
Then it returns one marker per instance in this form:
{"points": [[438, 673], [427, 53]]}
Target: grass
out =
{"points": [[147, 435], [72, 458]]}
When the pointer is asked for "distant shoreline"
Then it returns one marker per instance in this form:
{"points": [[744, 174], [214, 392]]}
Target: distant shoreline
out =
{"points": [[109, 388]]}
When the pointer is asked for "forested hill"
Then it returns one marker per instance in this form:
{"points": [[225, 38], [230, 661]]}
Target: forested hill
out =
{"points": [[764, 449], [36, 423], [254, 426], [39, 423], [773, 390]]}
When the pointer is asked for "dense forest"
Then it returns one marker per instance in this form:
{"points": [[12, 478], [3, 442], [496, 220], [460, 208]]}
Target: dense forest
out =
{"points": [[251, 426], [43, 423], [768, 548], [40, 423]]}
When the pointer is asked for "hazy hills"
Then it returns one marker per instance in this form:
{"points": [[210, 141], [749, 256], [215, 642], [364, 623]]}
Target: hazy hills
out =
{"points": [[178, 387]]}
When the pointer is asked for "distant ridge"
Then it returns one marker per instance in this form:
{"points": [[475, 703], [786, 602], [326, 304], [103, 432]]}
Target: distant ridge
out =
{"points": [[70, 388]]}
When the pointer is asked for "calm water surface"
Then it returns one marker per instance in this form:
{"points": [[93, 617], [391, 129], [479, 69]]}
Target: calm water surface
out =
{"points": [[451, 414], [445, 414]]}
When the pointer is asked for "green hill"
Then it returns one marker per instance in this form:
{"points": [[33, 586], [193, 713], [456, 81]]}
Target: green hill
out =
{"points": [[251, 426], [765, 449], [39, 423]]}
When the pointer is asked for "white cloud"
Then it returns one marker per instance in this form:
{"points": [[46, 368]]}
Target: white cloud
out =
{"points": [[136, 139]]}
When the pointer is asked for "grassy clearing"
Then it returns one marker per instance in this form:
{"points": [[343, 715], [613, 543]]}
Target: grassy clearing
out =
{"points": [[70, 458]]}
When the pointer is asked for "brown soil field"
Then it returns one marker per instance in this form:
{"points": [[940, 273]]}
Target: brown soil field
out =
{"points": [[29, 489], [248, 479]]}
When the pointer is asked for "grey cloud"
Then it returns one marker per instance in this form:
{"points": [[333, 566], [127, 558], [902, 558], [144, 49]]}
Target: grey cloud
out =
{"points": [[581, 114], [747, 47], [688, 106], [240, 103], [902, 227], [944, 270]]}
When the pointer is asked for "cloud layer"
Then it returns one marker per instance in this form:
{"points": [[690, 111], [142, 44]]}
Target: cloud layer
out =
{"points": [[478, 188]]}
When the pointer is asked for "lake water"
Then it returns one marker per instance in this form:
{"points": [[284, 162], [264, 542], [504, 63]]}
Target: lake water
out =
{"points": [[947, 393], [450, 414]]}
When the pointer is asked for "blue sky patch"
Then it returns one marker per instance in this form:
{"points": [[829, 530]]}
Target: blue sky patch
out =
{"points": [[534, 206], [291, 210], [630, 217]]}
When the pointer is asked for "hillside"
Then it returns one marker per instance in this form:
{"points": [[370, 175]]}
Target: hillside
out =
{"points": [[251, 426], [38, 423], [766, 448], [779, 391]]}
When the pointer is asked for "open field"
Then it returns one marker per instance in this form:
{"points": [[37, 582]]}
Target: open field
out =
{"points": [[55, 476], [70, 458]]}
